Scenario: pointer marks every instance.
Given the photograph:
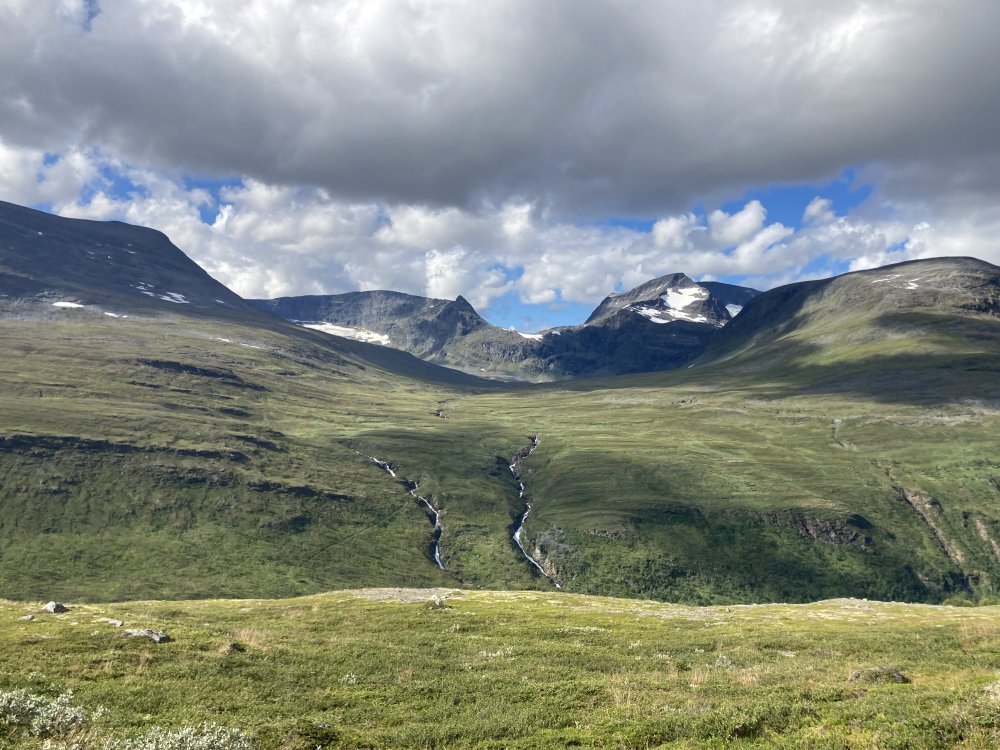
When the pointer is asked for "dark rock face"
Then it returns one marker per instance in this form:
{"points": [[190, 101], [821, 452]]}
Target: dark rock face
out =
{"points": [[662, 324]]}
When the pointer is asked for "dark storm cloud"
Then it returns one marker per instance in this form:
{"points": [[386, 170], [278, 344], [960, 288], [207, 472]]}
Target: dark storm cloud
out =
{"points": [[617, 106]]}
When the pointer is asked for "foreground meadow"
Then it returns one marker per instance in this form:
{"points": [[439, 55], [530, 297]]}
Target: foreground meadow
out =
{"points": [[415, 668]]}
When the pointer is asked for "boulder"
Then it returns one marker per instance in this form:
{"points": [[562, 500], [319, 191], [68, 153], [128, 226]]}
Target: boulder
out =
{"points": [[55, 607], [156, 636]]}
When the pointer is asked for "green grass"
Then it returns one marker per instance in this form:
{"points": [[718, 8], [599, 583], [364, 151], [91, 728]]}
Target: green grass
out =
{"points": [[385, 668], [199, 457]]}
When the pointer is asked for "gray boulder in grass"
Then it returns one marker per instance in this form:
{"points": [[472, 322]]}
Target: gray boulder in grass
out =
{"points": [[156, 636], [55, 607]]}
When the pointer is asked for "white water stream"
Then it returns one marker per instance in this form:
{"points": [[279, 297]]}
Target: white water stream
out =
{"points": [[435, 512], [519, 531]]}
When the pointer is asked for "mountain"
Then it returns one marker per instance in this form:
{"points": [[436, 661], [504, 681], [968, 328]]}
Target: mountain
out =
{"points": [[415, 324], [625, 334], [161, 436], [667, 299], [110, 267], [837, 438], [904, 316]]}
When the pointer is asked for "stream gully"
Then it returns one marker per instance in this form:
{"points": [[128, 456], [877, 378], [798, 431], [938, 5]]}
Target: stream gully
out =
{"points": [[519, 530], [434, 513]]}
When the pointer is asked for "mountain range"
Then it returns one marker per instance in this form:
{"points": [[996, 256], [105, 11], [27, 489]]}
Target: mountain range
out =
{"points": [[162, 437], [627, 333]]}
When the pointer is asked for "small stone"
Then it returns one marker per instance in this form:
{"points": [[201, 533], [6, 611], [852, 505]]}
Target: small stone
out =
{"points": [[27, 618], [156, 636], [115, 623], [55, 607]]}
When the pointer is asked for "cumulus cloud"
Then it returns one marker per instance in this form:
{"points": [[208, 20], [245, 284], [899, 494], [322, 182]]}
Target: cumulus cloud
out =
{"points": [[478, 148], [614, 106]]}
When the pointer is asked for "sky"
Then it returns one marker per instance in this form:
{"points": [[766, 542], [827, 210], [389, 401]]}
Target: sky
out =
{"points": [[531, 156]]}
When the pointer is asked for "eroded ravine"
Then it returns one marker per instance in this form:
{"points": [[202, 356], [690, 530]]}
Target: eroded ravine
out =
{"points": [[434, 514], [518, 536]]}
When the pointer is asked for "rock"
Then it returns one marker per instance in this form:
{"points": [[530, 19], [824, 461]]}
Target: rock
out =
{"points": [[115, 623], [27, 618], [55, 607], [232, 647], [438, 603], [879, 674], [156, 636], [992, 691]]}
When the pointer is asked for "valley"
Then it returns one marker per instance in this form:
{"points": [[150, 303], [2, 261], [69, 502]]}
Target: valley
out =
{"points": [[834, 439], [430, 558]]}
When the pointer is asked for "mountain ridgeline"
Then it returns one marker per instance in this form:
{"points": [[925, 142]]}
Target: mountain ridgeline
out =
{"points": [[163, 438], [663, 324]]}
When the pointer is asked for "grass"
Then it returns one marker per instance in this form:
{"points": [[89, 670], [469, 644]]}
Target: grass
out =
{"points": [[193, 456], [387, 668]]}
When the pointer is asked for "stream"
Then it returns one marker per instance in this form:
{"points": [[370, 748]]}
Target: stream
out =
{"points": [[519, 530], [435, 513]]}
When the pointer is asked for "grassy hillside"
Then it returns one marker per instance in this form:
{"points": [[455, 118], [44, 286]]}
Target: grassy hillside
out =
{"points": [[839, 441], [182, 457], [389, 668]]}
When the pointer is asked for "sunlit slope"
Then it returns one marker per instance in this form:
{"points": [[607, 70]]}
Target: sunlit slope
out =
{"points": [[874, 331]]}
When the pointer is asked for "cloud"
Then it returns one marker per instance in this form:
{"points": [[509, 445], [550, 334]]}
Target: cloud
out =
{"points": [[575, 108], [732, 229], [269, 240], [480, 148]]}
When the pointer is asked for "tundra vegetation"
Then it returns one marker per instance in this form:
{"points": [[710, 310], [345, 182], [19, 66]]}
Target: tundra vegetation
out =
{"points": [[392, 668]]}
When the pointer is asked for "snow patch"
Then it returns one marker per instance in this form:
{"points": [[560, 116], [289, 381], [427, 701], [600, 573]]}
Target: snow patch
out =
{"points": [[67, 305], [115, 315], [532, 336], [734, 310], [887, 278], [653, 314], [678, 299], [668, 316], [358, 334], [176, 297]]}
